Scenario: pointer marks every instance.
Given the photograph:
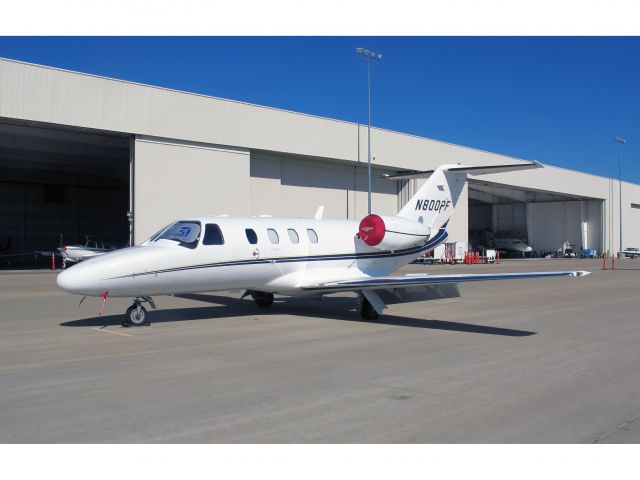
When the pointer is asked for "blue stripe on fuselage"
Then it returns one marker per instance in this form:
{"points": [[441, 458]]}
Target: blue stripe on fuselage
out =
{"points": [[440, 237]]}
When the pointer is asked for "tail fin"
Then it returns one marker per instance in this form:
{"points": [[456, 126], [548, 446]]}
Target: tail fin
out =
{"points": [[435, 201]]}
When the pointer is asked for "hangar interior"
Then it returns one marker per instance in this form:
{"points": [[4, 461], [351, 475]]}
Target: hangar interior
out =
{"points": [[542, 219], [58, 186]]}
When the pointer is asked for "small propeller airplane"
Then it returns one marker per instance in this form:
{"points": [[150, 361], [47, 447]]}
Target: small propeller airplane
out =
{"points": [[265, 255]]}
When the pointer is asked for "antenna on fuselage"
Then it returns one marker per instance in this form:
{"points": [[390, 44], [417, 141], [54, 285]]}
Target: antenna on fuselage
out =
{"points": [[319, 212]]}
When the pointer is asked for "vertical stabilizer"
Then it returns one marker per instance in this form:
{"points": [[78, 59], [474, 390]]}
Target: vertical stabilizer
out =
{"points": [[434, 203]]}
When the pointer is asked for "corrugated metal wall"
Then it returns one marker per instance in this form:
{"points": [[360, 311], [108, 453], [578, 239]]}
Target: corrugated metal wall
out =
{"points": [[50, 95], [175, 181], [68, 98], [41, 94], [290, 186]]}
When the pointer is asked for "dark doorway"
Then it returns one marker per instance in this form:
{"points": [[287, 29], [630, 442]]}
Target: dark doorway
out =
{"points": [[59, 186]]}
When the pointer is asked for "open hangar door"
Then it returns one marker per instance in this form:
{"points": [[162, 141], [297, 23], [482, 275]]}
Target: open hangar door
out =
{"points": [[58, 186], [542, 219]]}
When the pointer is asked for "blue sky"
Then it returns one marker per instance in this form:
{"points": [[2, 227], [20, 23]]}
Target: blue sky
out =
{"points": [[558, 100]]}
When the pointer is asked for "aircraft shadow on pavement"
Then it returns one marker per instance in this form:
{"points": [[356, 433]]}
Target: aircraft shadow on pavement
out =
{"points": [[333, 309]]}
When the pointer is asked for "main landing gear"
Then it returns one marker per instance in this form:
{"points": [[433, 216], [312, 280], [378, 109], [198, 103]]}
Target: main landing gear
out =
{"points": [[366, 309], [262, 299], [136, 314]]}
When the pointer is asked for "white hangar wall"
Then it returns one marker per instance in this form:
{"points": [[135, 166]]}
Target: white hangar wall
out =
{"points": [[62, 97], [180, 180], [54, 96], [289, 185], [243, 146]]}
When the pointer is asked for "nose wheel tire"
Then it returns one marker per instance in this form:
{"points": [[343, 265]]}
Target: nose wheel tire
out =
{"points": [[367, 311], [136, 316], [263, 299]]}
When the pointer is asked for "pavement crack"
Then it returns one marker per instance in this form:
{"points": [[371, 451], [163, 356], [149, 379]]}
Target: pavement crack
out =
{"points": [[619, 427]]}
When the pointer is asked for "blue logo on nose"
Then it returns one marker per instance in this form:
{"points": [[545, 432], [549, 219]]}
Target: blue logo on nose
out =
{"points": [[420, 219]]}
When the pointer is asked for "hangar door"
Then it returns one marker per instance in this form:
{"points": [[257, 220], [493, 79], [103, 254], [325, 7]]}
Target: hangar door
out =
{"points": [[60, 186], [293, 186], [175, 180]]}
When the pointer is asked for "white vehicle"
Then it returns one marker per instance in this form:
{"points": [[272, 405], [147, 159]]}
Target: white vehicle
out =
{"points": [[490, 255], [77, 253], [631, 252], [263, 256]]}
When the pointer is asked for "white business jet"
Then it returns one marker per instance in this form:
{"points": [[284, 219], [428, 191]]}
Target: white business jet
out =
{"points": [[265, 255]]}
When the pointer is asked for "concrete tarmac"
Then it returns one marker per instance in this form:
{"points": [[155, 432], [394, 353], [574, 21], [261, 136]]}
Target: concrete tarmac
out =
{"points": [[519, 361]]}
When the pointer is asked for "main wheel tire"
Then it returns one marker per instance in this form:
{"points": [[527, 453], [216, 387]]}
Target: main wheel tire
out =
{"points": [[263, 299], [367, 311], [135, 318]]}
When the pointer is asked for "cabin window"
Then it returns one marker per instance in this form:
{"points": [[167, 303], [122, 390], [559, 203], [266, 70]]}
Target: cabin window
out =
{"points": [[186, 233], [313, 236], [252, 237], [293, 235], [273, 235], [212, 235]]}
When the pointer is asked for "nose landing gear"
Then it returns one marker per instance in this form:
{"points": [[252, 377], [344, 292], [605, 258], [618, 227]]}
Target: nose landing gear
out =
{"points": [[136, 314]]}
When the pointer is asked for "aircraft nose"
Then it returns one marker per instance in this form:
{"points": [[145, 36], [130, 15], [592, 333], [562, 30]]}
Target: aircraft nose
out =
{"points": [[67, 281], [75, 280]]}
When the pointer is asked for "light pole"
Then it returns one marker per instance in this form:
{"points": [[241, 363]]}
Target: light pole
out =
{"points": [[369, 55], [621, 141]]}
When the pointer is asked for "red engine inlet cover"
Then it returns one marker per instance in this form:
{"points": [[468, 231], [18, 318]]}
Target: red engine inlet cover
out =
{"points": [[372, 230]]}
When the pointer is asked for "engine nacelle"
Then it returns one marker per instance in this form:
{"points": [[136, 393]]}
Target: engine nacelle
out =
{"points": [[392, 233]]}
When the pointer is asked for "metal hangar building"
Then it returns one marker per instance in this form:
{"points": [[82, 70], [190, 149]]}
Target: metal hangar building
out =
{"points": [[86, 155]]}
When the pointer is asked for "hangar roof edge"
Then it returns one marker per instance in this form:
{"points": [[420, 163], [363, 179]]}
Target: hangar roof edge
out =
{"points": [[240, 102]]}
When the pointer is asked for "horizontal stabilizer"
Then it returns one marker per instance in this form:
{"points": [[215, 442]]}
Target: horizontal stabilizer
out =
{"points": [[482, 170]]}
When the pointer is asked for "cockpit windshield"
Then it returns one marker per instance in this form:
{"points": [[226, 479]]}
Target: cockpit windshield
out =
{"points": [[186, 233]]}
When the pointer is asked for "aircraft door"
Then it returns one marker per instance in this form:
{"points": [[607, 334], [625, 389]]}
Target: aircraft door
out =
{"points": [[274, 247], [312, 242], [253, 251]]}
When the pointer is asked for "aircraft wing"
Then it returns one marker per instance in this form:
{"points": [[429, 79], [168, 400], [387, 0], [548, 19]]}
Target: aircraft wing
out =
{"points": [[378, 283]]}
